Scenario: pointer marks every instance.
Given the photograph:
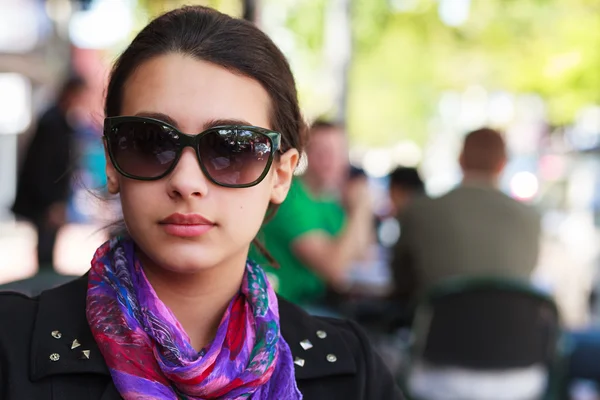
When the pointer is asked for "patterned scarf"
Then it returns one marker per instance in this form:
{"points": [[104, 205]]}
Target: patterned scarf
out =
{"points": [[149, 355]]}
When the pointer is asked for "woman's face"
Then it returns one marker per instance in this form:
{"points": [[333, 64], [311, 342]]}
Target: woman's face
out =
{"points": [[196, 95]]}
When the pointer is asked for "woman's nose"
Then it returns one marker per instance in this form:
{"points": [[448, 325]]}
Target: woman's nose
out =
{"points": [[187, 179]]}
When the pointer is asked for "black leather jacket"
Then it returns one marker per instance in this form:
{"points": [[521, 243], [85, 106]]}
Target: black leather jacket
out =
{"points": [[36, 365]]}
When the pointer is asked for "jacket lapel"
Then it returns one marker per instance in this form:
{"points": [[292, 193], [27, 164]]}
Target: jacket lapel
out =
{"points": [[317, 345], [62, 343], [111, 393]]}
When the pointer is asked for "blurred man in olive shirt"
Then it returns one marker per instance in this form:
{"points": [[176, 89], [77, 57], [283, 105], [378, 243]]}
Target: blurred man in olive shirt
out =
{"points": [[474, 230]]}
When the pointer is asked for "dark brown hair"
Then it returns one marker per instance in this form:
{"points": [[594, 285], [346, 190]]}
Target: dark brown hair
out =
{"points": [[206, 34], [238, 45], [407, 178], [484, 150]]}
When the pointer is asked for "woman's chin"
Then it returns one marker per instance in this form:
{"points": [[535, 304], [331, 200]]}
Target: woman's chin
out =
{"points": [[181, 259], [185, 263], [186, 256]]}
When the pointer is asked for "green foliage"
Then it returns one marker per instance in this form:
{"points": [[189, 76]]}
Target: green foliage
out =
{"points": [[306, 18], [403, 60]]}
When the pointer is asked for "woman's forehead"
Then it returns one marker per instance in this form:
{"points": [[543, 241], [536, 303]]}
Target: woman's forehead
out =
{"points": [[194, 92]]}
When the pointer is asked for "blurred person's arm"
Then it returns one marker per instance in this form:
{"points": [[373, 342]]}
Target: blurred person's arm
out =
{"points": [[331, 256]]}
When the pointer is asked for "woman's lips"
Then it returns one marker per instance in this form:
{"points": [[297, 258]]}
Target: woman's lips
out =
{"points": [[186, 225], [186, 230]]}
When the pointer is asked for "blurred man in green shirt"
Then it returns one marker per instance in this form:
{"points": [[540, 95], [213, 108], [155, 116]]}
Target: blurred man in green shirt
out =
{"points": [[324, 224]]}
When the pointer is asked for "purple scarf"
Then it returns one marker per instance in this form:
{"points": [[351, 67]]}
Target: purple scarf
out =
{"points": [[149, 355]]}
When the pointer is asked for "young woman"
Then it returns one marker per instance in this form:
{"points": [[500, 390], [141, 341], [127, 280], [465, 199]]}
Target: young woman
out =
{"points": [[202, 132]]}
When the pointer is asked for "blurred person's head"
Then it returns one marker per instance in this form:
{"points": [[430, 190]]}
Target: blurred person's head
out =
{"points": [[73, 93], [405, 185], [327, 156], [483, 156], [189, 71]]}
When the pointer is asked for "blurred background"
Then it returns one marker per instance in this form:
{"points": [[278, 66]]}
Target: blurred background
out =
{"points": [[407, 77]]}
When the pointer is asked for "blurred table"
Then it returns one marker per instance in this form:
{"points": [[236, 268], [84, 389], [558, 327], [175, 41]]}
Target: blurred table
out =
{"points": [[370, 277]]}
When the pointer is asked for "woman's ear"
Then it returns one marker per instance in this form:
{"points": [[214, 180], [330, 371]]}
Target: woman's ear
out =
{"points": [[112, 176], [283, 174]]}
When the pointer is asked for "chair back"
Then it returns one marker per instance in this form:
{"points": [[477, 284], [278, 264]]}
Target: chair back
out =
{"points": [[486, 324]]}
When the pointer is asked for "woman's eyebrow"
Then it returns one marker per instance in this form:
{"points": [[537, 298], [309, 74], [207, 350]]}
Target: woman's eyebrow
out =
{"points": [[220, 122], [209, 124], [160, 116]]}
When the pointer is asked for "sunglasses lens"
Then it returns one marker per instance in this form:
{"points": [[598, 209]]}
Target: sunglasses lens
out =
{"points": [[143, 149], [235, 156]]}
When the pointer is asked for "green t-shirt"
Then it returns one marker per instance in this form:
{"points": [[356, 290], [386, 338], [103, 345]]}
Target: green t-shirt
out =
{"points": [[299, 214]]}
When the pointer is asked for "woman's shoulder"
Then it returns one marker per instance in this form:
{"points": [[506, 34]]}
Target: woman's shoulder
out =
{"points": [[336, 355], [12, 298], [37, 337], [332, 341], [20, 308], [324, 345], [29, 322], [17, 313]]}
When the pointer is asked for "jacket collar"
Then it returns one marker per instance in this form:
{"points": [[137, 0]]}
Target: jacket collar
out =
{"points": [[60, 320], [317, 346]]}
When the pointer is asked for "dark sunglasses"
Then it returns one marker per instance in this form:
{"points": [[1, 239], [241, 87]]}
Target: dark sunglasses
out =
{"points": [[148, 149]]}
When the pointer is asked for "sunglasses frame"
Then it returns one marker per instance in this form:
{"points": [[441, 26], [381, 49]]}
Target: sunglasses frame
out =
{"points": [[184, 140]]}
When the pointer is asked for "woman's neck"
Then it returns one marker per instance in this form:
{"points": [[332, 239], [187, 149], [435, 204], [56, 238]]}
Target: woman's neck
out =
{"points": [[197, 300]]}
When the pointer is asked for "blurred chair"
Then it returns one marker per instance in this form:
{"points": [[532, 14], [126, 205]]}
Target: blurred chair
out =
{"points": [[496, 338]]}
